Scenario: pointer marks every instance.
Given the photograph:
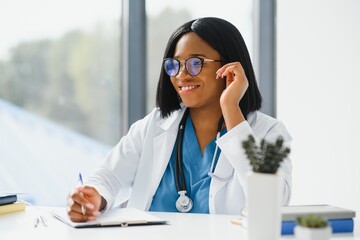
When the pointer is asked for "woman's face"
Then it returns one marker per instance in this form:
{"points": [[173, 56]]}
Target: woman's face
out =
{"points": [[203, 90]]}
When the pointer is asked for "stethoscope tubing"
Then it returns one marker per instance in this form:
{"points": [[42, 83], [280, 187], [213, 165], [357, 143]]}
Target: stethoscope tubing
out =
{"points": [[179, 169]]}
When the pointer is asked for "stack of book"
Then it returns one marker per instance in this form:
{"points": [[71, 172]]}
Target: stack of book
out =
{"points": [[8, 204], [341, 220]]}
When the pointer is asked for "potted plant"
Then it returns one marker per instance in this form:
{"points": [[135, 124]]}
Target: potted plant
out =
{"points": [[311, 227], [264, 187]]}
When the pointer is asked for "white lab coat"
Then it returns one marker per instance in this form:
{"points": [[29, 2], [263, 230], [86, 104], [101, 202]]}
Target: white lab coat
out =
{"points": [[134, 168]]}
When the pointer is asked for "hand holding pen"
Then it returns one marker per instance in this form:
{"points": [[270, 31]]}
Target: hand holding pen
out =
{"points": [[83, 204]]}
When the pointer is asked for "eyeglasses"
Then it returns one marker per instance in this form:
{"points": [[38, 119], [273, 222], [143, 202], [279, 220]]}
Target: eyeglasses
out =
{"points": [[193, 65]]}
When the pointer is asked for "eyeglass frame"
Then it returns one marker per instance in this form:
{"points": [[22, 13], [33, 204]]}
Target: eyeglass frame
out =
{"points": [[203, 60]]}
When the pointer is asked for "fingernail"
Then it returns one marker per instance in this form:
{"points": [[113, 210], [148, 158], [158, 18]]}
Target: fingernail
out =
{"points": [[89, 205]]}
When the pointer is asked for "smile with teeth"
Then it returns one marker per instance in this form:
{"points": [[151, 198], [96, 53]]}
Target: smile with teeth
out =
{"points": [[187, 88]]}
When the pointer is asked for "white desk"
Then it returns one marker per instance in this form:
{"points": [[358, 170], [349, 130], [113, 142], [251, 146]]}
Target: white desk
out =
{"points": [[181, 227]]}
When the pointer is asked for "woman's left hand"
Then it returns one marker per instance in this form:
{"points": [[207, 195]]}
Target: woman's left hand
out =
{"points": [[236, 83]]}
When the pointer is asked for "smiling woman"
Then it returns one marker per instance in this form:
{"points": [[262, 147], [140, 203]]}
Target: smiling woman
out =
{"points": [[166, 15], [185, 155]]}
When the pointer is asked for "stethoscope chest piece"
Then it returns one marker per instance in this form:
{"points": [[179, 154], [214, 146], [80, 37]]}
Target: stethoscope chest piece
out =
{"points": [[184, 204]]}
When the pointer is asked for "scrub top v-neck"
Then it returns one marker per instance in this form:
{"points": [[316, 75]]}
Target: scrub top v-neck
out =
{"points": [[196, 167]]}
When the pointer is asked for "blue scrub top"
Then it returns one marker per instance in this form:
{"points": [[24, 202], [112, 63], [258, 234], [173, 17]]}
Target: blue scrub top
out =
{"points": [[196, 168]]}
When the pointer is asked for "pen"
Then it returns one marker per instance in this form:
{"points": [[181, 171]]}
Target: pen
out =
{"points": [[83, 209], [36, 222], [43, 220]]}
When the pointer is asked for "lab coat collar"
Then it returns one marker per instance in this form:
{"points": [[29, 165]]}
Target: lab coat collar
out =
{"points": [[174, 118]]}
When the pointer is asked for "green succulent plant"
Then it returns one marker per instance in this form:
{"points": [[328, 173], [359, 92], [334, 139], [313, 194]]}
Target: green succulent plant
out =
{"points": [[311, 221], [267, 157]]}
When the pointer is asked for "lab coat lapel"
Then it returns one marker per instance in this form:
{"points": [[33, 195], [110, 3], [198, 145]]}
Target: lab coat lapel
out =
{"points": [[163, 145], [162, 149], [153, 161]]}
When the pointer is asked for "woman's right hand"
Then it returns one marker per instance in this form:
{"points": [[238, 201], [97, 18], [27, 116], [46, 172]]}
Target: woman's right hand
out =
{"points": [[87, 197], [236, 87]]}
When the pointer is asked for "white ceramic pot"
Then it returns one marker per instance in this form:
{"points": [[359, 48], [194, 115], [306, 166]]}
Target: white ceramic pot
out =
{"points": [[304, 233], [265, 194]]}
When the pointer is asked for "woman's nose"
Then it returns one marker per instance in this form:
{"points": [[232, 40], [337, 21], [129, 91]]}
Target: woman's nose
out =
{"points": [[182, 70]]}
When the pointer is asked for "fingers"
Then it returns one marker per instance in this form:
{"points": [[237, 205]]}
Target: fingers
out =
{"points": [[79, 197], [77, 207], [76, 216], [80, 206], [236, 84], [230, 71], [90, 191], [233, 72]]}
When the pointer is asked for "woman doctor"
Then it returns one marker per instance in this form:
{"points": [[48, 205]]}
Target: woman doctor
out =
{"points": [[186, 155]]}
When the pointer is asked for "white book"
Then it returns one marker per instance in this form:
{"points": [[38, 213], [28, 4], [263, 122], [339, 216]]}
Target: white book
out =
{"points": [[121, 217]]}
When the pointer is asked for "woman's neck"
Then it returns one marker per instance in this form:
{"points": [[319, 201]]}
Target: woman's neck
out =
{"points": [[205, 125]]}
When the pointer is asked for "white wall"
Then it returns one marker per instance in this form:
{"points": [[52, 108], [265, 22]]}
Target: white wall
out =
{"points": [[319, 95]]}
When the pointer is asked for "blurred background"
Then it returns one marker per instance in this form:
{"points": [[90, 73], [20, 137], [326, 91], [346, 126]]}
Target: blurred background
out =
{"points": [[62, 91]]}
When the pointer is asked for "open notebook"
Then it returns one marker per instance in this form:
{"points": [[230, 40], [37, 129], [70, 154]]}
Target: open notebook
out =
{"points": [[121, 217]]}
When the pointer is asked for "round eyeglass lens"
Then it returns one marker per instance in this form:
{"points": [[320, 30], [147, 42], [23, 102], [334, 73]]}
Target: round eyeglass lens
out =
{"points": [[194, 66], [171, 67]]}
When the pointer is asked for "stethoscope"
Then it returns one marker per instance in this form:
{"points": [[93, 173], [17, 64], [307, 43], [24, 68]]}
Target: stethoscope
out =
{"points": [[184, 203]]}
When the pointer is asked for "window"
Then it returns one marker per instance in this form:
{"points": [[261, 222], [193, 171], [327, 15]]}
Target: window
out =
{"points": [[318, 98], [59, 93]]}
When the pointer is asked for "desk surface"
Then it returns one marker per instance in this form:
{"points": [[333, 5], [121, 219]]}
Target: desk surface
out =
{"points": [[181, 226]]}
